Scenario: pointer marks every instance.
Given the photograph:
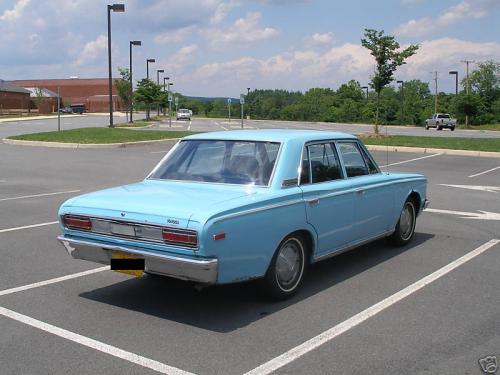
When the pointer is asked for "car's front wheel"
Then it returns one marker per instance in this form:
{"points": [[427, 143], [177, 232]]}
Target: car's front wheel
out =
{"points": [[405, 229], [286, 271]]}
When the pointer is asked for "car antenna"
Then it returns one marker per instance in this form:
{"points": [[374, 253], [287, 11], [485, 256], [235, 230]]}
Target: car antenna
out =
{"points": [[386, 151]]}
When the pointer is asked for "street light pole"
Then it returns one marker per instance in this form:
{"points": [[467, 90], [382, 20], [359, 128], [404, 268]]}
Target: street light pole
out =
{"points": [[454, 72], [132, 43], [158, 71], [114, 8], [147, 66], [169, 105], [165, 90], [402, 101]]}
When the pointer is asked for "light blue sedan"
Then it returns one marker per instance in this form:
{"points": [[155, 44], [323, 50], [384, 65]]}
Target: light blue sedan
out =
{"points": [[226, 207]]}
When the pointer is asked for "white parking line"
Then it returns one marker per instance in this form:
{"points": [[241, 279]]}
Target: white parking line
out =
{"points": [[364, 315], [94, 344], [407, 161], [39, 195], [52, 281], [481, 173], [158, 152], [28, 227]]}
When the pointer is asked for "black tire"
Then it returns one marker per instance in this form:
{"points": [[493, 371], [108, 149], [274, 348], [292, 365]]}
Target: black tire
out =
{"points": [[283, 279], [405, 229], [426, 127], [452, 128], [439, 127]]}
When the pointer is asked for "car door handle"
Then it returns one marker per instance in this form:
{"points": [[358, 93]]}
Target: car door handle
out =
{"points": [[313, 202], [360, 191]]}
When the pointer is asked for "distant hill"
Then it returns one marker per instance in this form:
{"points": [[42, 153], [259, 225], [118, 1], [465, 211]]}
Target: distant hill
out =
{"points": [[205, 99]]}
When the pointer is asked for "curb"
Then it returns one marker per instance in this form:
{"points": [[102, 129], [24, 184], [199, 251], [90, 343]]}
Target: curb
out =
{"points": [[443, 151], [85, 145], [33, 118]]}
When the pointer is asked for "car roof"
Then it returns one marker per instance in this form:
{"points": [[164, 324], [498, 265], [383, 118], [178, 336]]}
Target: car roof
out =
{"points": [[272, 135]]}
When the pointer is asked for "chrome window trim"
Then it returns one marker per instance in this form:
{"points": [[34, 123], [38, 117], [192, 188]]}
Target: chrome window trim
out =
{"points": [[367, 154], [321, 141], [357, 143], [271, 176]]}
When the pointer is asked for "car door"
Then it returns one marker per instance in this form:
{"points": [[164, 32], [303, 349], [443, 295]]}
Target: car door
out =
{"points": [[328, 197], [374, 195]]}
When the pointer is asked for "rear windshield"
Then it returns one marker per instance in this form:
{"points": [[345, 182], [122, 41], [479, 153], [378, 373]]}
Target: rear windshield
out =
{"points": [[217, 161], [443, 116], [183, 111]]}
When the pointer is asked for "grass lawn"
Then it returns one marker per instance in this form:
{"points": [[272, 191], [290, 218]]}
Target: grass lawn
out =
{"points": [[474, 144], [101, 135]]}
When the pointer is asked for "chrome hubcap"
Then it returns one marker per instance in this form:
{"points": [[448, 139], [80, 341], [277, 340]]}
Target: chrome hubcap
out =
{"points": [[289, 264], [406, 221]]}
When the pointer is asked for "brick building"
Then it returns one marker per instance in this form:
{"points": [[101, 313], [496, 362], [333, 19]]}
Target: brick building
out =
{"points": [[93, 93], [42, 100], [13, 98]]}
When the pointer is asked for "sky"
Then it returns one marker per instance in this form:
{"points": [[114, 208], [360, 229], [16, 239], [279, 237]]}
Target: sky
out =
{"points": [[221, 47]]}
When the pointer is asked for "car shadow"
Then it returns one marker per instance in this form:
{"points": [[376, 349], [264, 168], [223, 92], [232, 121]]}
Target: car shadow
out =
{"points": [[225, 308]]}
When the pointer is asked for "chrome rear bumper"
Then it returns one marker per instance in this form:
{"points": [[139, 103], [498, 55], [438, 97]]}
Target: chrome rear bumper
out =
{"points": [[203, 270]]}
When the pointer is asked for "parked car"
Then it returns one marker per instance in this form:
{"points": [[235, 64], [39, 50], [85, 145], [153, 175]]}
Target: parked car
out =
{"points": [[66, 109], [440, 121], [78, 108], [226, 207], [184, 114]]}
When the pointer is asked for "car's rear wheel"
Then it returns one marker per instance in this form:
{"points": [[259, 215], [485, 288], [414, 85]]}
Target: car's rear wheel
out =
{"points": [[452, 128], [286, 271], [405, 229], [426, 127]]}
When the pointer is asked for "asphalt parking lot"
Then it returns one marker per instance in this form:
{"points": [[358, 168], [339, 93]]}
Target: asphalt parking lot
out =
{"points": [[102, 322]]}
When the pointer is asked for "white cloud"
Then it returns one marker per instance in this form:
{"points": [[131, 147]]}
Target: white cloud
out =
{"points": [[174, 36], [320, 38], [92, 50], [243, 30], [13, 14], [450, 52], [411, 3], [466, 9]]}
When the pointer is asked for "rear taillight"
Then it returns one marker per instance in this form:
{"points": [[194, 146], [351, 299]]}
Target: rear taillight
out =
{"points": [[77, 222], [180, 237]]}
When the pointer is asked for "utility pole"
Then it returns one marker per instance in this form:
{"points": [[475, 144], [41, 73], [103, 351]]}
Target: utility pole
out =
{"points": [[467, 62], [435, 91], [58, 108]]}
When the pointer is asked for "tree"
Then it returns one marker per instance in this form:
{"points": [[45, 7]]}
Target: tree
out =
{"points": [[468, 104], [123, 88], [485, 81], [385, 50], [147, 93]]}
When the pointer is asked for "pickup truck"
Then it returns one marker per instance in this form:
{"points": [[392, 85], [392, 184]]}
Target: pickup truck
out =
{"points": [[440, 121]]}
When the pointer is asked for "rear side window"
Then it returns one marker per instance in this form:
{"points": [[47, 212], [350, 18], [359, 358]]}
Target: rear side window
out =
{"points": [[324, 162], [372, 168], [353, 160]]}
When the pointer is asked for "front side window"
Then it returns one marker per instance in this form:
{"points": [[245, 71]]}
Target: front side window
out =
{"points": [[353, 160], [324, 162], [218, 161]]}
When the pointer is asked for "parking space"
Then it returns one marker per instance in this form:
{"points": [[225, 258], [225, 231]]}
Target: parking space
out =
{"points": [[104, 322]]}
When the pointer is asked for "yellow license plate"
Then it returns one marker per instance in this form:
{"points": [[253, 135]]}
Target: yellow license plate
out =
{"points": [[118, 255]]}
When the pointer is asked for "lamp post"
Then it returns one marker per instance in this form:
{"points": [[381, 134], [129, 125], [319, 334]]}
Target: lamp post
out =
{"points": [[365, 88], [147, 66], [169, 104], [132, 43], [402, 101], [454, 72], [165, 90], [115, 8], [158, 71]]}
